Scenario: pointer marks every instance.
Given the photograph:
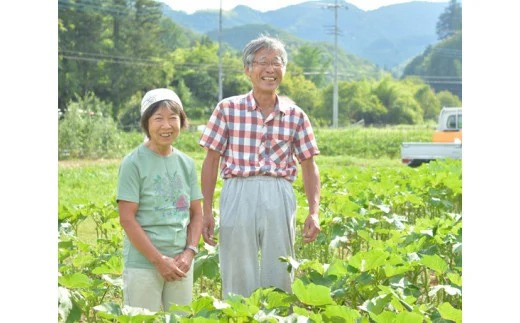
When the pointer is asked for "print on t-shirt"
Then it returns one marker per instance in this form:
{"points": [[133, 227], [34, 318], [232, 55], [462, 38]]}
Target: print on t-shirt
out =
{"points": [[170, 194]]}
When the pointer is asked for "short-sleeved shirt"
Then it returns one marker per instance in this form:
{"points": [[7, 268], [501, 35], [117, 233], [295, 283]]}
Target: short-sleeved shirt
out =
{"points": [[250, 145], [164, 188]]}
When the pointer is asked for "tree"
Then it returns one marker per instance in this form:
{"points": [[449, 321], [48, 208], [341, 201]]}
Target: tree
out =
{"points": [[364, 105], [311, 59], [450, 21], [114, 48], [300, 90], [398, 98], [428, 101], [447, 99]]}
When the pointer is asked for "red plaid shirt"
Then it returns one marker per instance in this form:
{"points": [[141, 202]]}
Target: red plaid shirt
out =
{"points": [[250, 145]]}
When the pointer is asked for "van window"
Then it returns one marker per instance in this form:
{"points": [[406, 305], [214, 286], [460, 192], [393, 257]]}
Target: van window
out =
{"points": [[454, 122]]}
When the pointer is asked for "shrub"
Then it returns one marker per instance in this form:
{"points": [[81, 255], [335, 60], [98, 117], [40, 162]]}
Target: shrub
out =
{"points": [[88, 131]]}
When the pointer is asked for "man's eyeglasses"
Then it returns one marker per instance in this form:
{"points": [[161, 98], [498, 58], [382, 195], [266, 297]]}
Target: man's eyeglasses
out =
{"points": [[277, 63]]}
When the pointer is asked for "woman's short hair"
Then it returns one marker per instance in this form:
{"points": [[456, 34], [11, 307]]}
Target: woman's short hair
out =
{"points": [[173, 106]]}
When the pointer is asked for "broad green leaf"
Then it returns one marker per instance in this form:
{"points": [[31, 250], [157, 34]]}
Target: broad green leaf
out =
{"points": [[312, 264], [66, 244], [367, 260], [450, 290], [306, 314], [81, 261], [210, 268], [300, 311], [428, 232], [133, 311], [340, 313], [455, 279], [398, 304], [113, 281], [292, 262], [409, 317], [384, 208], [448, 312], [312, 294], [238, 307], [110, 308], [113, 266], [68, 310], [364, 234], [205, 265], [278, 299], [376, 304], [76, 280], [396, 270], [337, 268], [180, 308], [457, 248], [202, 303], [200, 320], [384, 317], [435, 262]]}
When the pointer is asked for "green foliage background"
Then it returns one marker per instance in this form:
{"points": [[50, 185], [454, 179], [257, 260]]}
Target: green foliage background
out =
{"points": [[116, 50]]}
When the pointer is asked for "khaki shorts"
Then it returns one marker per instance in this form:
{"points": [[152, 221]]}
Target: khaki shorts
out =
{"points": [[146, 288]]}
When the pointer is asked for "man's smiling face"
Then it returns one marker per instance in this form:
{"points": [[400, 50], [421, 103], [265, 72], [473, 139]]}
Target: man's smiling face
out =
{"points": [[267, 71]]}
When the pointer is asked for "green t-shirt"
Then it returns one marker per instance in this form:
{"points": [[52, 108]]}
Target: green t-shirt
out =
{"points": [[163, 187]]}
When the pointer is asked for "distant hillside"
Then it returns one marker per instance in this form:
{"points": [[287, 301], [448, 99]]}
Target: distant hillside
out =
{"points": [[387, 36], [440, 65], [238, 37], [350, 67]]}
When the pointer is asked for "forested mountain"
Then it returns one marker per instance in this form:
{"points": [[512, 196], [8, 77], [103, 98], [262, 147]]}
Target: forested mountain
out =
{"points": [[440, 65], [386, 36], [111, 51], [350, 67]]}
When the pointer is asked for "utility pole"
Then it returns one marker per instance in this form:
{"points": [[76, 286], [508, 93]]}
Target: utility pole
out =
{"points": [[336, 31], [220, 53]]}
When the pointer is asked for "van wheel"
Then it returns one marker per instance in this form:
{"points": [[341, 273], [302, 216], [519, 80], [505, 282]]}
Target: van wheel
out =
{"points": [[418, 162]]}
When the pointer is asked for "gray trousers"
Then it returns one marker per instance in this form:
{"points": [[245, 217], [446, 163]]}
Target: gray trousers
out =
{"points": [[257, 225]]}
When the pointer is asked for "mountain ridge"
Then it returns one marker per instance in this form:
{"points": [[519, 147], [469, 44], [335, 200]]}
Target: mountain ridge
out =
{"points": [[386, 36]]}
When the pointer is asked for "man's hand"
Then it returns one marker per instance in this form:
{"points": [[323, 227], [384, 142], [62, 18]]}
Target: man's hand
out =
{"points": [[311, 228], [208, 229]]}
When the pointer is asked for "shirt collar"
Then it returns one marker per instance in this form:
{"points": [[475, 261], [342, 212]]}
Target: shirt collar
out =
{"points": [[281, 105]]}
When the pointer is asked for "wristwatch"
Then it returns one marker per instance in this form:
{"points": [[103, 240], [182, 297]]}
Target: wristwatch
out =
{"points": [[192, 248]]}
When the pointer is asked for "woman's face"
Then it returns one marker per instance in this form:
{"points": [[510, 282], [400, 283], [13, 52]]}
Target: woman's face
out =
{"points": [[164, 127]]}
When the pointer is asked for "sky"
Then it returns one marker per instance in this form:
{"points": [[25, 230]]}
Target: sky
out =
{"points": [[191, 6]]}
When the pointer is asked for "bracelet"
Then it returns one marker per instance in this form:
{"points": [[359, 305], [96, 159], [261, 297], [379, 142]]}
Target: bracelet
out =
{"points": [[192, 248]]}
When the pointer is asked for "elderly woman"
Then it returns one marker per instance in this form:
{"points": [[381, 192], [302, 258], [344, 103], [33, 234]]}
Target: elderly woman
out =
{"points": [[160, 209]]}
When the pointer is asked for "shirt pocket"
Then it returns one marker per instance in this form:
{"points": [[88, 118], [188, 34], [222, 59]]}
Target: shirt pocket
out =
{"points": [[280, 149]]}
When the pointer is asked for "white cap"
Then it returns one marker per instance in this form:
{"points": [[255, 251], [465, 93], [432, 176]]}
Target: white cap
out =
{"points": [[157, 95]]}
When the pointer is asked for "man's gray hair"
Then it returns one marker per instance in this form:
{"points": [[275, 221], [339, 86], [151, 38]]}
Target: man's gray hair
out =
{"points": [[248, 54]]}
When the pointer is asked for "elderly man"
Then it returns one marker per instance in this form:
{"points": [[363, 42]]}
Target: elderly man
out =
{"points": [[255, 137]]}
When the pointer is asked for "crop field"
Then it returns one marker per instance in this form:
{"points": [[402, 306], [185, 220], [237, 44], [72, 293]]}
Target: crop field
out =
{"points": [[390, 249]]}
